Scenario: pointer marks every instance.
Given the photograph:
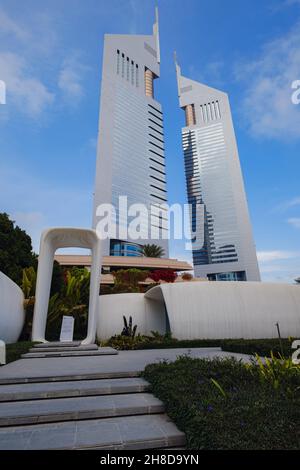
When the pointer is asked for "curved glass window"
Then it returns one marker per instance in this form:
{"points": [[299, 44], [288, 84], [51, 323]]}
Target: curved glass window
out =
{"points": [[122, 248]]}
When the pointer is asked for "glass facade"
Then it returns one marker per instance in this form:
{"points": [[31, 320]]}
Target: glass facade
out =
{"points": [[230, 276], [124, 248]]}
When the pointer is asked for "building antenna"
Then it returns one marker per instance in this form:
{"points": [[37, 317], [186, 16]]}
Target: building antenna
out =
{"points": [[156, 34]]}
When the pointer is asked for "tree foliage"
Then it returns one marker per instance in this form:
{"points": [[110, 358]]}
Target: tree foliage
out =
{"points": [[153, 251], [15, 249]]}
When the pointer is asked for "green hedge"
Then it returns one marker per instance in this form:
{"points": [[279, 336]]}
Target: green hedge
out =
{"points": [[173, 343], [262, 347], [15, 350], [236, 410]]}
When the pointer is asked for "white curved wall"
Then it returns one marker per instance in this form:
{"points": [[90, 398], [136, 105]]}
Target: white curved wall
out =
{"points": [[12, 313], [149, 315], [230, 309]]}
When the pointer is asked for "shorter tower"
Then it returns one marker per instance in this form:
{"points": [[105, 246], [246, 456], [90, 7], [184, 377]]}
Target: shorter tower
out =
{"points": [[223, 245]]}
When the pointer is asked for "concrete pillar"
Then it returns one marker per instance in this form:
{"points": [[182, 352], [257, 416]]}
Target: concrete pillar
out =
{"points": [[190, 115], [149, 77]]}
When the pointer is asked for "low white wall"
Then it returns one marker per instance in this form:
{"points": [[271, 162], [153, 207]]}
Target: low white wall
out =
{"points": [[148, 315], [230, 309], [12, 313]]}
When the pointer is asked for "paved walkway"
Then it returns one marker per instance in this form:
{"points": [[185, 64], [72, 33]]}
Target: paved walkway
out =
{"points": [[91, 402], [128, 362]]}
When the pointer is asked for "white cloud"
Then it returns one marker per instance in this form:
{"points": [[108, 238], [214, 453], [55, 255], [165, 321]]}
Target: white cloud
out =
{"points": [[279, 265], [291, 2], [71, 78], [10, 26], [288, 204], [267, 104], [294, 221], [275, 255], [25, 90]]}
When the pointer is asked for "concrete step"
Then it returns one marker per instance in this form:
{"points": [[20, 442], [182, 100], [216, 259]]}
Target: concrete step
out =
{"points": [[34, 391], [122, 433], [69, 377], [77, 408], [71, 353], [56, 344], [86, 347]]}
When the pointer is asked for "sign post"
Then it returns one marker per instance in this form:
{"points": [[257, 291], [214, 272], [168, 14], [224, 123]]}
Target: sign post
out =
{"points": [[67, 329]]}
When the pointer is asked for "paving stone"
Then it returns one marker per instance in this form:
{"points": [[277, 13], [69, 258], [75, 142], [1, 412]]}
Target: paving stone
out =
{"points": [[133, 432], [52, 344], [70, 352], [44, 390], [76, 408], [85, 347], [65, 377]]}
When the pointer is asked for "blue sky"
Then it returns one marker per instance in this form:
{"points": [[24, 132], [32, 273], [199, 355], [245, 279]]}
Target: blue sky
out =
{"points": [[50, 58]]}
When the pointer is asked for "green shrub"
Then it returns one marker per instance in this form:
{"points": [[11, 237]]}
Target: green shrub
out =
{"points": [[169, 343], [262, 347], [125, 343], [159, 341], [223, 404]]}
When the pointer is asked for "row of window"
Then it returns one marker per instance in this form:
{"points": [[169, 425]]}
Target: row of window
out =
{"points": [[210, 111], [127, 68]]}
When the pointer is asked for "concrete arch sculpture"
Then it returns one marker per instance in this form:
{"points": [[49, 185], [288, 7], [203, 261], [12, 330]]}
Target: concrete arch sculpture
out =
{"points": [[51, 240]]}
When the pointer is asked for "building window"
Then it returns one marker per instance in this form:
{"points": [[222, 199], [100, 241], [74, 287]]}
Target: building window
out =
{"points": [[123, 248], [210, 111], [132, 72], [118, 61], [136, 75], [127, 69], [123, 65], [230, 276]]}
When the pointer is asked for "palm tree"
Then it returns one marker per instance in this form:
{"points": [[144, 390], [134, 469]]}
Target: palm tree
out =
{"points": [[153, 251]]}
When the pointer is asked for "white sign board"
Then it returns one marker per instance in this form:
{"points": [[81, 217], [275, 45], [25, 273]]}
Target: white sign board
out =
{"points": [[2, 353], [67, 329]]}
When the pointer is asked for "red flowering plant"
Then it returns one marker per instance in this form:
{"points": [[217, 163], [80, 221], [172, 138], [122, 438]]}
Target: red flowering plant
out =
{"points": [[166, 275]]}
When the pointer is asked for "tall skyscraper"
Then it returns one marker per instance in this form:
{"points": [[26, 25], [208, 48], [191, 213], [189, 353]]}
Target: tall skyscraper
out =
{"points": [[223, 247], [130, 154]]}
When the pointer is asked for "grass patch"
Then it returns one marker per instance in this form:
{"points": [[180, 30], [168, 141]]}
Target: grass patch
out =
{"points": [[262, 347], [15, 350], [224, 404]]}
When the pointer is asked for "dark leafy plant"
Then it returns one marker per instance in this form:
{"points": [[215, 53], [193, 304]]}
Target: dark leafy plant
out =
{"points": [[15, 249], [125, 343], [153, 251], [262, 347], [128, 330]]}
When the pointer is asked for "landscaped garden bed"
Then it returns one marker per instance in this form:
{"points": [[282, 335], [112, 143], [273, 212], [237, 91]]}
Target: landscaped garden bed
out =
{"points": [[15, 350], [262, 347], [226, 404]]}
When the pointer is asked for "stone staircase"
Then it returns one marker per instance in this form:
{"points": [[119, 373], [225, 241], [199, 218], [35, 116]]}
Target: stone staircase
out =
{"points": [[85, 412]]}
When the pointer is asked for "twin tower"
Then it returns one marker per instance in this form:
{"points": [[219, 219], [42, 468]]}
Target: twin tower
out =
{"points": [[131, 163]]}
